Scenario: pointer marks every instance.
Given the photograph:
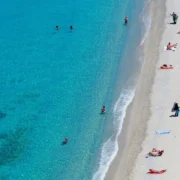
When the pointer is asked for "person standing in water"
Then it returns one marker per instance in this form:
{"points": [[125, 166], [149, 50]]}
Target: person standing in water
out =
{"points": [[71, 28], [103, 110], [126, 20], [57, 28]]}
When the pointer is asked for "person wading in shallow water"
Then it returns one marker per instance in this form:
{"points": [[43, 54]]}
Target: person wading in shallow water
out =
{"points": [[103, 110], [65, 141], [126, 20], [71, 28], [57, 28]]}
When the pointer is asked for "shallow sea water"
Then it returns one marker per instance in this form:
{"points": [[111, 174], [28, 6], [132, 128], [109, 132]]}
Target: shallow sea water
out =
{"points": [[53, 84]]}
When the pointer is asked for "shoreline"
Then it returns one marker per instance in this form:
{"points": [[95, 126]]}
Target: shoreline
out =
{"points": [[135, 122]]}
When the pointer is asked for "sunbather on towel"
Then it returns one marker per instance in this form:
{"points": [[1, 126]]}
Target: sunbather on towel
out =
{"points": [[170, 46], [165, 66], [154, 154], [156, 171]]}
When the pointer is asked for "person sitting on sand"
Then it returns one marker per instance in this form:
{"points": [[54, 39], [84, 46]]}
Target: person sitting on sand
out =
{"points": [[170, 46], [154, 154]]}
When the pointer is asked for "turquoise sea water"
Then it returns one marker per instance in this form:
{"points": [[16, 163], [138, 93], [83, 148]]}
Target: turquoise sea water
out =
{"points": [[54, 83]]}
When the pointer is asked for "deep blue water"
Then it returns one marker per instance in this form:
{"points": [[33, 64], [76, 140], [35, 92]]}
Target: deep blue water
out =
{"points": [[53, 83]]}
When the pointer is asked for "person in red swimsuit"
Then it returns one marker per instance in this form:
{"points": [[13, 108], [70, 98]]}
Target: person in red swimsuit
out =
{"points": [[103, 110]]}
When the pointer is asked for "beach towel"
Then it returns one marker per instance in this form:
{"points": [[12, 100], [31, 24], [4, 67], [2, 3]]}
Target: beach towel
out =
{"points": [[158, 172], [172, 49], [163, 132]]}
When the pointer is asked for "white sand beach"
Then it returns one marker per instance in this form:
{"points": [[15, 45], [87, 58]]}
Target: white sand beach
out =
{"points": [[165, 91], [150, 111]]}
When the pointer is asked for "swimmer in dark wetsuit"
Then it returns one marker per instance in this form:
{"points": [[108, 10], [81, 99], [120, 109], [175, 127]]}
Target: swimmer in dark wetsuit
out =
{"points": [[57, 28]]}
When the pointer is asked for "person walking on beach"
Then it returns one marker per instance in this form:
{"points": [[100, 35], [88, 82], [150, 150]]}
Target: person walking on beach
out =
{"points": [[175, 17], [126, 20], [175, 109]]}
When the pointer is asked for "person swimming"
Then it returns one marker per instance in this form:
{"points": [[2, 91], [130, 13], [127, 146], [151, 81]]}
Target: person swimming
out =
{"points": [[57, 28], [71, 28], [103, 110], [126, 20], [65, 141]]}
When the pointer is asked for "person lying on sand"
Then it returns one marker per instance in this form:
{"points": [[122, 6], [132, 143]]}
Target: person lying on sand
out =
{"points": [[170, 46], [154, 154], [156, 171], [165, 66]]}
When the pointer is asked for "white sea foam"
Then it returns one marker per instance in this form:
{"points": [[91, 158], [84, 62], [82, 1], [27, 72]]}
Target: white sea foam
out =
{"points": [[110, 147]]}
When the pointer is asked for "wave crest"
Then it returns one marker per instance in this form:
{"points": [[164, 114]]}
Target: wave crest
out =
{"points": [[110, 147]]}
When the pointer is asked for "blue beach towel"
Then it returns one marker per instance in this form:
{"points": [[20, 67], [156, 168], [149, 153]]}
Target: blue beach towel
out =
{"points": [[163, 132]]}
